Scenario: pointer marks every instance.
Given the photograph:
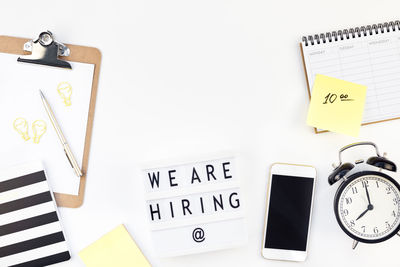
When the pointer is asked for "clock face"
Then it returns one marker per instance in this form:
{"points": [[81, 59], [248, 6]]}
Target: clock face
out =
{"points": [[368, 208]]}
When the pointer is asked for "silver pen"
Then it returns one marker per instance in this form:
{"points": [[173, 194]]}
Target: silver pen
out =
{"points": [[61, 136]]}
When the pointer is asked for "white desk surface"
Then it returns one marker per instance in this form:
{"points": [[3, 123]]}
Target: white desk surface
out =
{"points": [[181, 78]]}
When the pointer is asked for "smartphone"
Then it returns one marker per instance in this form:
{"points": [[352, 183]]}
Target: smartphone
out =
{"points": [[290, 196]]}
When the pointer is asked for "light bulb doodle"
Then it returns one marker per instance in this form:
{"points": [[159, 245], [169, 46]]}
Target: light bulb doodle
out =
{"points": [[39, 127], [64, 89], [21, 126]]}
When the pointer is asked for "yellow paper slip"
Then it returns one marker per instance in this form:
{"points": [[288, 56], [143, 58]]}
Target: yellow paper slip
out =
{"points": [[336, 105], [116, 249]]}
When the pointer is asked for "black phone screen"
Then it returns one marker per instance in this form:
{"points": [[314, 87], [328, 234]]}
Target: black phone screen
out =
{"points": [[289, 212]]}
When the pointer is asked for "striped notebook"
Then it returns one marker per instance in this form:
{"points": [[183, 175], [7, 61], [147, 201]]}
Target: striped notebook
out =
{"points": [[30, 231]]}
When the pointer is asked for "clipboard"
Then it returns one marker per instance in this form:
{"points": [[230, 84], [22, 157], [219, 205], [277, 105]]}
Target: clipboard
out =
{"points": [[82, 54]]}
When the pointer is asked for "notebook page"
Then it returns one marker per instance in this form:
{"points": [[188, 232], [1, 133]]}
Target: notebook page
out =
{"points": [[373, 61]]}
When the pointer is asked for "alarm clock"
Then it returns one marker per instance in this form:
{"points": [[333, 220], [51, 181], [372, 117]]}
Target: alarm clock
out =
{"points": [[367, 202]]}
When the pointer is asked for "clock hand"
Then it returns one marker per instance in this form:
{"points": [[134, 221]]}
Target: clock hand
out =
{"points": [[369, 207], [366, 190], [362, 214]]}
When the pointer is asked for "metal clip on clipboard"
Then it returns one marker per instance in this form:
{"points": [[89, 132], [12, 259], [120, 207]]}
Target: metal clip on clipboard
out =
{"points": [[45, 51]]}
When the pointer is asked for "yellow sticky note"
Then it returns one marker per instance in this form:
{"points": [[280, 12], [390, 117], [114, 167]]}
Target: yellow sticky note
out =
{"points": [[116, 249], [336, 105]]}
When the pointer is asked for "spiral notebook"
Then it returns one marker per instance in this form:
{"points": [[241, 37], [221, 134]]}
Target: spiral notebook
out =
{"points": [[367, 55]]}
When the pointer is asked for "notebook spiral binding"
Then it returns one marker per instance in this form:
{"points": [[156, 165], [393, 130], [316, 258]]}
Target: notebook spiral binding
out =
{"points": [[351, 33]]}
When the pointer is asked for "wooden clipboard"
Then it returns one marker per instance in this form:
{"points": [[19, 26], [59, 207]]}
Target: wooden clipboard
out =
{"points": [[83, 54]]}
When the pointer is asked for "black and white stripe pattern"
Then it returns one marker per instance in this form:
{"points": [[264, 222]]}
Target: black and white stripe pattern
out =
{"points": [[30, 232]]}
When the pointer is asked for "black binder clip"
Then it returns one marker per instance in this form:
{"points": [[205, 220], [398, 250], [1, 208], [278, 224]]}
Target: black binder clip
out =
{"points": [[45, 51]]}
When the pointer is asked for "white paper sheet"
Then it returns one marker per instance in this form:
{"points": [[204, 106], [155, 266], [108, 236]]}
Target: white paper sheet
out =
{"points": [[19, 98]]}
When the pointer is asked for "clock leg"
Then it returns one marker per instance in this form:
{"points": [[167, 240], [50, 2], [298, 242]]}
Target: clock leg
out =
{"points": [[355, 243]]}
